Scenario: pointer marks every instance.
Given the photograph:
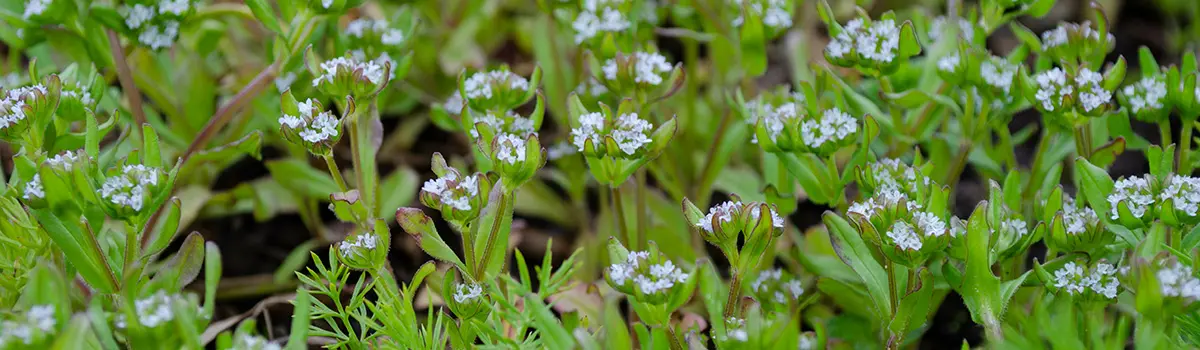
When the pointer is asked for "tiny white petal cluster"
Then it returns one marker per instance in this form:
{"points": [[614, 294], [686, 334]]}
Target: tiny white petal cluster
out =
{"points": [[155, 310], [661, 278], [949, 64], [35, 7], [78, 92], [388, 35], [886, 196], [738, 334], [963, 27], [1177, 280], [775, 118], [12, 106], [33, 188], [930, 225], [1052, 87], [363, 241], [252, 342], [511, 123], [465, 292], [1135, 192], [776, 220], [1075, 279], [1184, 193], [128, 188], [480, 84], [63, 161], [174, 7], [787, 290], [453, 192], [834, 126], [773, 12], [877, 43], [37, 318], [903, 236], [807, 342], [510, 148], [137, 15], [1092, 94], [1077, 219], [1148, 93], [590, 87], [313, 128], [160, 37], [1015, 227], [454, 103], [648, 67], [598, 16], [724, 213], [1062, 34], [998, 73], [371, 70], [630, 132]]}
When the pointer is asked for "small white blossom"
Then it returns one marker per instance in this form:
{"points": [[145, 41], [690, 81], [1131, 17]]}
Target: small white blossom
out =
{"points": [[1177, 280], [42, 317], [11, 110], [594, 20], [1135, 192], [137, 15], [128, 189], [64, 161], [510, 148], [949, 64], [590, 87], [807, 342], [763, 277], [724, 212], [998, 73], [160, 37], [35, 7], [173, 7], [1015, 227], [648, 67], [963, 27], [1052, 87], [929, 225], [776, 220], [326, 3], [1075, 279], [1062, 34], [284, 82], [738, 334], [877, 43], [560, 150], [772, 12], [353, 247], [834, 126], [155, 309], [252, 342], [321, 127], [453, 192], [329, 69], [904, 237], [1148, 93], [1077, 219], [33, 188], [467, 292], [1183, 192], [1092, 94], [479, 85], [454, 103], [78, 92]]}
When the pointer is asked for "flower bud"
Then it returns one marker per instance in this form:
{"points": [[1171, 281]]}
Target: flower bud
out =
{"points": [[459, 198], [1180, 200], [308, 124], [1067, 97], [1076, 279], [1077, 229], [468, 301], [363, 251], [516, 158], [498, 90], [647, 276], [1076, 42], [1132, 201], [21, 107], [871, 46], [897, 175], [1146, 100], [638, 74], [75, 101], [345, 76], [131, 189], [1163, 282], [777, 289], [156, 24], [624, 136]]}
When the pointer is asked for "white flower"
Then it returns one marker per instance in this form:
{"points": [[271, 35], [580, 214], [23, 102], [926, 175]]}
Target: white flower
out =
{"points": [[1078, 220], [283, 82], [479, 85], [738, 334], [1060, 35], [1074, 279], [998, 73], [592, 20], [590, 87], [648, 67], [12, 330], [1177, 280], [174, 7], [137, 15], [949, 64], [793, 287], [1184, 193], [930, 225], [877, 43], [128, 189], [765, 276], [313, 129], [724, 212], [510, 148], [11, 111], [1015, 226], [1092, 94], [326, 3], [64, 161], [834, 126], [963, 27], [363, 241], [772, 12], [155, 310], [903, 236], [252, 342], [467, 292], [807, 342], [370, 69], [35, 7], [776, 220], [1147, 93], [156, 37], [33, 188], [454, 103], [78, 92], [42, 317], [1052, 86], [1135, 193], [453, 192], [620, 273]]}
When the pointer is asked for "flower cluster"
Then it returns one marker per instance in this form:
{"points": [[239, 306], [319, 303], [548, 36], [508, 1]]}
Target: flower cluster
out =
{"points": [[790, 126], [496, 90], [628, 132], [509, 123], [458, 197], [599, 16], [33, 189], [28, 327], [1057, 92], [467, 292], [998, 74], [775, 14], [950, 63], [1073, 41], [342, 76], [873, 46], [1146, 99], [911, 237], [252, 342], [127, 191], [777, 287], [891, 179], [1134, 194], [1078, 219], [1183, 194], [962, 27], [154, 310], [371, 30], [736, 330], [157, 25], [311, 126], [16, 108], [1080, 281], [357, 244], [649, 278], [1178, 281], [644, 67]]}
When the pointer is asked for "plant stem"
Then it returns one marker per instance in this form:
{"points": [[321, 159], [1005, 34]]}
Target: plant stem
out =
{"points": [[642, 220], [891, 272], [335, 172], [619, 217], [675, 344], [125, 77], [708, 175], [1081, 148], [1184, 165], [1164, 129], [735, 294], [502, 211], [1043, 144]]}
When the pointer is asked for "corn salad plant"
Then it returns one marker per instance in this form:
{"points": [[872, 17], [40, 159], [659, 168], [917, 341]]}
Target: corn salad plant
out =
{"points": [[730, 174]]}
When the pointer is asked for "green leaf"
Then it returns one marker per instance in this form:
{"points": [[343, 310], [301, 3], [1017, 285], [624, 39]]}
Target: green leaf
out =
{"points": [[298, 339], [1096, 184], [914, 308], [553, 333], [296, 175], [806, 175], [294, 261], [81, 250], [754, 45], [262, 10], [616, 335], [212, 275], [420, 226], [851, 248], [495, 224], [1026, 36], [397, 189], [909, 44], [1108, 153], [981, 289], [184, 266], [150, 153]]}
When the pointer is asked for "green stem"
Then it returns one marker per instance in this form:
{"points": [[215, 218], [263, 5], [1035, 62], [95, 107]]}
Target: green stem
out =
{"points": [[1006, 146], [1185, 148], [335, 172], [1164, 129], [642, 220], [1081, 148], [131, 246], [675, 344], [504, 210], [894, 296], [1035, 167], [619, 217], [709, 175], [735, 294], [885, 85]]}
